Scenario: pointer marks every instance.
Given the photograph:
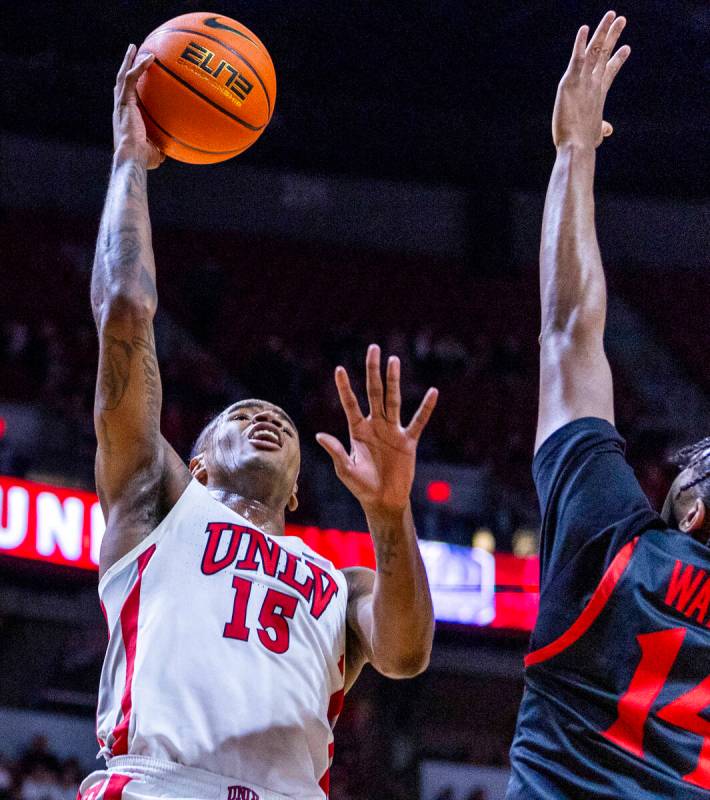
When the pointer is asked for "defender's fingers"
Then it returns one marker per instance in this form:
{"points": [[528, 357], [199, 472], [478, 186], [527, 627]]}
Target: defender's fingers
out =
{"points": [[607, 129], [596, 43], [614, 66], [393, 401], [351, 407], [421, 418], [335, 450], [375, 392], [609, 44], [580, 45]]}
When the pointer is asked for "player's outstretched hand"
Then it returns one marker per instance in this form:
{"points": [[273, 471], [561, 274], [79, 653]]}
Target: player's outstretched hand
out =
{"points": [[379, 470], [579, 107], [129, 135]]}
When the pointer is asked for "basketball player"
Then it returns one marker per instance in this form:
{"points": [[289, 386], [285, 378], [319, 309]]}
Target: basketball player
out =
{"points": [[618, 679], [231, 644]]}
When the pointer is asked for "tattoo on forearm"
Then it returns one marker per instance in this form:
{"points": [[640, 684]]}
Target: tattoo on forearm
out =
{"points": [[124, 241], [144, 342], [115, 372], [124, 261], [386, 553]]}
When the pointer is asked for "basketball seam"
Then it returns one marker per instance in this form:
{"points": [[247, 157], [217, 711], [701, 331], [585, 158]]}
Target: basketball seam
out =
{"points": [[226, 47], [204, 97], [220, 26], [234, 152], [257, 43]]}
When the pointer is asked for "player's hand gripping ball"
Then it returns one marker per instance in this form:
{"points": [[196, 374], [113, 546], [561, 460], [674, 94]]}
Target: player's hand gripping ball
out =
{"points": [[210, 92]]}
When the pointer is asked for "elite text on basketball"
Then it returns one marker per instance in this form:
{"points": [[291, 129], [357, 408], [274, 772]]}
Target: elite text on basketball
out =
{"points": [[232, 78]]}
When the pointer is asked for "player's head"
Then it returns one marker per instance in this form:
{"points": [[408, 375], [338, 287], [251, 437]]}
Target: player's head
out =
{"points": [[687, 505], [251, 449]]}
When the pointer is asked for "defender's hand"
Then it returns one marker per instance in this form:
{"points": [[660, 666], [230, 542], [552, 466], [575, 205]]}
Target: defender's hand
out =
{"points": [[578, 115], [380, 468], [129, 135]]}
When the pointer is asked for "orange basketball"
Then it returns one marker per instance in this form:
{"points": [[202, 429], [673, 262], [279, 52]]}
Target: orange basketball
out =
{"points": [[210, 92]]}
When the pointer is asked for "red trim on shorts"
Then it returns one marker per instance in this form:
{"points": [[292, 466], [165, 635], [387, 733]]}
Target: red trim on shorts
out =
{"points": [[129, 634], [108, 789], [591, 611], [116, 783]]}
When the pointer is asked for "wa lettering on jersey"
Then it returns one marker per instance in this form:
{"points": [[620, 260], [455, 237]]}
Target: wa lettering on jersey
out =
{"points": [[226, 651], [617, 697]]}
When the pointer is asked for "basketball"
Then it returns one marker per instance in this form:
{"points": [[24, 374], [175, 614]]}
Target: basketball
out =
{"points": [[210, 92]]}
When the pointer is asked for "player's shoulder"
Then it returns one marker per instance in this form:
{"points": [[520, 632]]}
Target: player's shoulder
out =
{"points": [[360, 581], [577, 438], [659, 540]]}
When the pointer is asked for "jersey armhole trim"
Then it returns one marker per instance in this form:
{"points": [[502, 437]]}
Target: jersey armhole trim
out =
{"points": [[590, 612], [153, 537]]}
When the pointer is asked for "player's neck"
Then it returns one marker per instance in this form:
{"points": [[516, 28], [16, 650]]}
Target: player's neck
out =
{"points": [[260, 514]]}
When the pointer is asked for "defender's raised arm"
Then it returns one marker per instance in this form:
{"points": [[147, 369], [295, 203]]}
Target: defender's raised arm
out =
{"points": [[575, 379], [131, 455]]}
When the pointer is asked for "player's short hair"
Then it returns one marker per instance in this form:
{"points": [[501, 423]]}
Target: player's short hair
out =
{"points": [[695, 459], [204, 437], [207, 432]]}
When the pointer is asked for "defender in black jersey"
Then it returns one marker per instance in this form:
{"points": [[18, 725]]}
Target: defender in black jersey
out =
{"points": [[617, 697]]}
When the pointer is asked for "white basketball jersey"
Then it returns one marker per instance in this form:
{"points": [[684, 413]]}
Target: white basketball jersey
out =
{"points": [[226, 650]]}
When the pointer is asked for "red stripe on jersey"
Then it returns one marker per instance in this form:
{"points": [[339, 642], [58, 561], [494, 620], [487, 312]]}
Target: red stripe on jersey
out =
{"points": [[103, 611], [324, 782], [335, 706], [101, 742], [591, 611], [129, 633]]}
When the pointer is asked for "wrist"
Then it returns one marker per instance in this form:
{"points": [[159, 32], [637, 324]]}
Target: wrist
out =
{"points": [[379, 517], [574, 146], [126, 153]]}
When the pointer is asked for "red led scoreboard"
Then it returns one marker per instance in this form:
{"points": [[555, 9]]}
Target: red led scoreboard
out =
{"points": [[469, 585]]}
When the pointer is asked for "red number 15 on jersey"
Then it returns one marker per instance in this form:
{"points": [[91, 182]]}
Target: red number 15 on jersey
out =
{"points": [[276, 610]]}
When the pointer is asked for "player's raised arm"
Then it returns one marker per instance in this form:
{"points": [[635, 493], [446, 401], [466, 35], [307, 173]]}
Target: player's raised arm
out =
{"points": [[131, 455], [575, 378], [390, 614]]}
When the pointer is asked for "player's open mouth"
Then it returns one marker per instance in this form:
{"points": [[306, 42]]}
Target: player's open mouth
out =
{"points": [[265, 436]]}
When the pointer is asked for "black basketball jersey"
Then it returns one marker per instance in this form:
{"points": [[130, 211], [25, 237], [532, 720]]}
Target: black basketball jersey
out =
{"points": [[617, 684]]}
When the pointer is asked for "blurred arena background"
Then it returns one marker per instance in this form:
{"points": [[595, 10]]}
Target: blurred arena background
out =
{"points": [[396, 197]]}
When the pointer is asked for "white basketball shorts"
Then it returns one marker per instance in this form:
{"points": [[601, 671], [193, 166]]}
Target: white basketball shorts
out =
{"points": [[141, 778]]}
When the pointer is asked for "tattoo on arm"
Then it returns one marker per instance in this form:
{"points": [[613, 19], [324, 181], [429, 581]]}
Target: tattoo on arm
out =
{"points": [[115, 372], [144, 343], [386, 552], [124, 254]]}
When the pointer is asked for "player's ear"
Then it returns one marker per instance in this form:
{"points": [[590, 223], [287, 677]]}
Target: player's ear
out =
{"points": [[198, 468], [695, 518], [293, 500]]}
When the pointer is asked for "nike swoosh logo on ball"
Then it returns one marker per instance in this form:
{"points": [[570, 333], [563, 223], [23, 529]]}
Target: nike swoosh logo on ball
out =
{"points": [[213, 22]]}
